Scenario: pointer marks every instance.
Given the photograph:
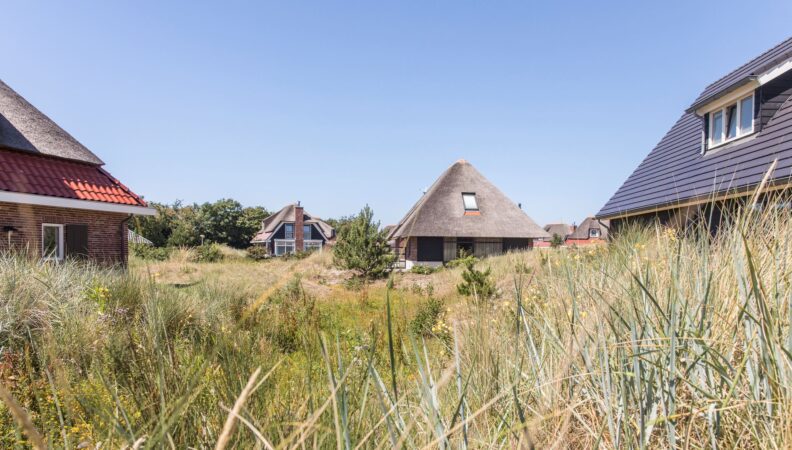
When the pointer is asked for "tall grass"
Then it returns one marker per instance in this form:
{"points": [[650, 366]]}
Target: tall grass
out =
{"points": [[660, 339]]}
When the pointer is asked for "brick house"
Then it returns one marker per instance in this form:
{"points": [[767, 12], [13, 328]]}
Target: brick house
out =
{"points": [[56, 200]]}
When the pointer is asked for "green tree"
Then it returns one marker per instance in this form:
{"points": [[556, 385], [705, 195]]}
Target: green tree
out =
{"points": [[557, 241], [476, 283], [363, 247]]}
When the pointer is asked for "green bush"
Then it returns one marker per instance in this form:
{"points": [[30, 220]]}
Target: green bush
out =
{"points": [[257, 252], [149, 252], [424, 270], [206, 253], [362, 247], [427, 320], [476, 283]]}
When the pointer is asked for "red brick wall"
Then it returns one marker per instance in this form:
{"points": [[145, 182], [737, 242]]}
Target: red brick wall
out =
{"points": [[107, 232], [299, 235]]}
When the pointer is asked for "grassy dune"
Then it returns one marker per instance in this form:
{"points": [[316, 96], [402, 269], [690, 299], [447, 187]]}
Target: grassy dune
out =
{"points": [[657, 340]]}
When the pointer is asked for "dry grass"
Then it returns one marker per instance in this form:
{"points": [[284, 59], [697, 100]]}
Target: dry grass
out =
{"points": [[657, 340]]}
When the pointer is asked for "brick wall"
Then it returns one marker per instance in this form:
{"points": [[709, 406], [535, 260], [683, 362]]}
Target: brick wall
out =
{"points": [[107, 235]]}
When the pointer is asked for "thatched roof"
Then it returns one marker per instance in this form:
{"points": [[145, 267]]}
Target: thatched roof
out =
{"points": [[582, 231], [286, 214], [561, 229], [441, 212], [23, 127]]}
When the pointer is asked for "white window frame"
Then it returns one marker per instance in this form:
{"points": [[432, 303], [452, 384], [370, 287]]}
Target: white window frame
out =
{"points": [[475, 201], [312, 244], [595, 233], [725, 123], [59, 255], [285, 243]]}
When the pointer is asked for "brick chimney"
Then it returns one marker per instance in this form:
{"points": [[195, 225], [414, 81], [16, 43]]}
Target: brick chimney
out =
{"points": [[299, 238]]}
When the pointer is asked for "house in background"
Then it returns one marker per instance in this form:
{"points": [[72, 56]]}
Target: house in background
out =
{"points": [[56, 200], [292, 230], [462, 211], [591, 231], [718, 152]]}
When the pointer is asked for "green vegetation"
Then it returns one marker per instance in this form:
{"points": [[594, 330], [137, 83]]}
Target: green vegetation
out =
{"points": [[556, 241], [477, 284], [225, 221], [659, 339], [362, 247], [423, 270]]}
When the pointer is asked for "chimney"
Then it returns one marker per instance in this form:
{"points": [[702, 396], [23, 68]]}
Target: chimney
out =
{"points": [[299, 238], [573, 227]]}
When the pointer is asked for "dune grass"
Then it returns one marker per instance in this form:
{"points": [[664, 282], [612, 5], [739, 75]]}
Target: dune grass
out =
{"points": [[658, 340]]}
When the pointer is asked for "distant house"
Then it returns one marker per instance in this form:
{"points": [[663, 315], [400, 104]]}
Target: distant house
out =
{"points": [[718, 152], [591, 231], [462, 211], [292, 229], [56, 200], [562, 230]]}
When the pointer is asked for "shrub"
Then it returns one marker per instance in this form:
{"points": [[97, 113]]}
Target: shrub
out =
{"points": [[557, 241], [363, 247], [476, 283], [257, 252], [150, 252], [424, 270], [206, 253], [427, 318]]}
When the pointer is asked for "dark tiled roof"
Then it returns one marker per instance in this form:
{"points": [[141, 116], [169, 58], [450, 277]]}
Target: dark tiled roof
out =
{"points": [[753, 67], [23, 127], [34, 174], [676, 171]]}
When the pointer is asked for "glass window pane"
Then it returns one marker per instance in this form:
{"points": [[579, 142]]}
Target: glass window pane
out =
{"points": [[470, 202], [307, 232], [289, 230], [731, 121], [51, 241], [746, 115], [717, 127]]}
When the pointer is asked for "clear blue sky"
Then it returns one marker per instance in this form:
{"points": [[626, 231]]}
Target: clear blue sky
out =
{"points": [[339, 104]]}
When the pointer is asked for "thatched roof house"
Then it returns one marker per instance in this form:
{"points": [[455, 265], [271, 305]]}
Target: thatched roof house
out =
{"points": [[57, 202], [291, 230], [590, 231], [561, 229], [462, 211]]}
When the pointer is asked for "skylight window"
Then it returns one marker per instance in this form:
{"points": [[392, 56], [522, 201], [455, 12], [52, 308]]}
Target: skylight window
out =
{"points": [[733, 121], [469, 200]]}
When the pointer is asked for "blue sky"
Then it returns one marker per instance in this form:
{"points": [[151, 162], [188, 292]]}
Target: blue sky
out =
{"points": [[342, 104]]}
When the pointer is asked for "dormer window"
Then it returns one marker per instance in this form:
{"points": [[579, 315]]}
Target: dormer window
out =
{"points": [[470, 203], [594, 232], [732, 121]]}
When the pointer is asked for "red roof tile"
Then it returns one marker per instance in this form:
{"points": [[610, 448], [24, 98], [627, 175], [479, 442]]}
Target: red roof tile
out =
{"points": [[33, 174]]}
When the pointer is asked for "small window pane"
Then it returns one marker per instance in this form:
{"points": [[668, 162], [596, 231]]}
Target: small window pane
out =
{"points": [[470, 202], [307, 232], [594, 232], [52, 242], [289, 230], [746, 115], [731, 121], [717, 127]]}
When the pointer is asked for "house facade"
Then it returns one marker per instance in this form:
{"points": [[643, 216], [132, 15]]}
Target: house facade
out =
{"points": [[461, 212], [56, 200], [293, 230], [590, 231], [736, 132]]}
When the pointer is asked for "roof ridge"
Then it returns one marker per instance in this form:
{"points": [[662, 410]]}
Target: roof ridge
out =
{"points": [[751, 61]]}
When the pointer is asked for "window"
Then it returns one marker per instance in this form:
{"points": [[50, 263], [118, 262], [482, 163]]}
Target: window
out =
{"points": [[311, 246], [594, 232], [469, 200], [289, 230], [731, 122], [52, 241], [307, 232], [283, 246]]}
